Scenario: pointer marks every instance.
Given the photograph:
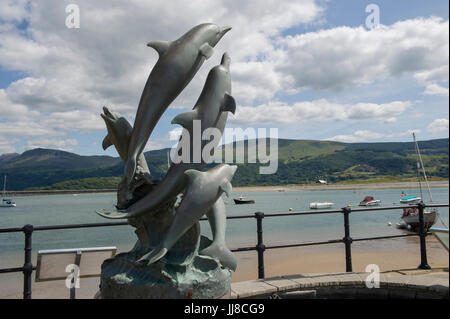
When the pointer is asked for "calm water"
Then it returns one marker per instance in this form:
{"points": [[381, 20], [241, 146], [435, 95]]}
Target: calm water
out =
{"points": [[71, 209]]}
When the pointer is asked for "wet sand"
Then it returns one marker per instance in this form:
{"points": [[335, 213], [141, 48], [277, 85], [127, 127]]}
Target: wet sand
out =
{"points": [[389, 254]]}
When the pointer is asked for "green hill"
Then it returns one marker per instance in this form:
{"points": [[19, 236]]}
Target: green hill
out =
{"points": [[299, 161]]}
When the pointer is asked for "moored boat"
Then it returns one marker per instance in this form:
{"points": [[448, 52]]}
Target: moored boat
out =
{"points": [[6, 202], [319, 205], [410, 216], [370, 201], [410, 199], [241, 200]]}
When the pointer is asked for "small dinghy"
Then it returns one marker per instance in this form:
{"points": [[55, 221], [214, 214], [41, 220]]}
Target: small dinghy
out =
{"points": [[241, 200], [318, 205]]}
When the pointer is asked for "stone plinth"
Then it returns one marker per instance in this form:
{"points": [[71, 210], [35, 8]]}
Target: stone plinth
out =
{"points": [[182, 273]]}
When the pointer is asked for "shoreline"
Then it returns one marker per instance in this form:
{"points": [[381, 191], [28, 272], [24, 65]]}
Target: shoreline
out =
{"points": [[279, 188]]}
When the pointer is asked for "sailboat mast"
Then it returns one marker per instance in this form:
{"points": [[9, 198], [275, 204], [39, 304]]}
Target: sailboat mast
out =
{"points": [[4, 186], [420, 163]]}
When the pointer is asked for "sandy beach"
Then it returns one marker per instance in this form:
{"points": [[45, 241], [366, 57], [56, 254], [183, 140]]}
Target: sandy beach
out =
{"points": [[389, 255]]}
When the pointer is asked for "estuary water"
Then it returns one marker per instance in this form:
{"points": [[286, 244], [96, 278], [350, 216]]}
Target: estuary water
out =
{"points": [[74, 209]]}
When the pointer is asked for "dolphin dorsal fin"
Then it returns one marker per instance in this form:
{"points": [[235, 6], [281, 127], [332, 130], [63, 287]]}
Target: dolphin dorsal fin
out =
{"points": [[160, 46], [228, 104], [106, 142], [192, 173], [226, 188], [206, 50], [184, 119]]}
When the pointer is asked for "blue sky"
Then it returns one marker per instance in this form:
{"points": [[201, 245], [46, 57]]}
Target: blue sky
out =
{"points": [[312, 69]]}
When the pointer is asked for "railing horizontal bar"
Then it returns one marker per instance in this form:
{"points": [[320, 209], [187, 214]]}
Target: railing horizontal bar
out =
{"points": [[243, 249], [9, 270], [388, 237], [333, 241], [11, 230], [56, 227]]}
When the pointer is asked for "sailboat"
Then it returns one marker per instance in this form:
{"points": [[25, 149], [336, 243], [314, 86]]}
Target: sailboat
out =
{"points": [[6, 202], [410, 216]]}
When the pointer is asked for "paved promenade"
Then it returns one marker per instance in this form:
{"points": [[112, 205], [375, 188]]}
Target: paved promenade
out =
{"points": [[410, 284]]}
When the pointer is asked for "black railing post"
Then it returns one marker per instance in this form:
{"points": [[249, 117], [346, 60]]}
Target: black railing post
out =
{"points": [[27, 266], [422, 236], [260, 248], [347, 240]]}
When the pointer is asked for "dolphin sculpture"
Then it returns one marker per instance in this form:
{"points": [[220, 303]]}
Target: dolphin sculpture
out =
{"points": [[211, 109], [177, 64], [218, 249], [203, 190], [119, 133]]}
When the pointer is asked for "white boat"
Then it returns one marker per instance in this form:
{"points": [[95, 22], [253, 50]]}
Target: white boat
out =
{"points": [[370, 201], [6, 202], [410, 216], [318, 205], [410, 199]]}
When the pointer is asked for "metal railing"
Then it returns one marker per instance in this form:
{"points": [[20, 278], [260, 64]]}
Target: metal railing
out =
{"points": [[28, 268]]}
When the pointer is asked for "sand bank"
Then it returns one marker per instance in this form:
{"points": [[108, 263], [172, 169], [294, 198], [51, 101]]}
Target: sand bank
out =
{"points": [[401, 185]]}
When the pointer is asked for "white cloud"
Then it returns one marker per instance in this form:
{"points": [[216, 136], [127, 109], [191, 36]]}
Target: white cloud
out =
{"points": [[438, 126], [436, 89], [67, 75], [7, 145], [174, 135], [61, 144], [318, 110], [343, 57], [367, 136]]}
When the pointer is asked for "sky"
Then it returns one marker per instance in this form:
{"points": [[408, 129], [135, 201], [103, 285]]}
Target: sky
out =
{"points": [[313, 69]]}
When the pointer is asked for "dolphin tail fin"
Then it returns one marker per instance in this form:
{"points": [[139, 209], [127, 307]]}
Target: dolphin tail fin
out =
{"points": [[160, 46], [106, 142], [221, 252], [113, 215], [154, 255], [228, 104], [226, 188], [184, 119]]}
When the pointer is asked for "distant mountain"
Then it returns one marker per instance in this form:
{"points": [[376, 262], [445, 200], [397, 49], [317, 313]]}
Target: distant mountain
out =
{"points": [[299, 161]]}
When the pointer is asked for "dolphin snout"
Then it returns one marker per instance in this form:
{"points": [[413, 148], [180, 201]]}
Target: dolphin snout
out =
{"points": [[222, 32]]}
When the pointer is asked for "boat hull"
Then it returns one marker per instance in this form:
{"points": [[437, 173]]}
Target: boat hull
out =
{"points": [[429, 219], [242, 201], [320, 205], [371, 203]]}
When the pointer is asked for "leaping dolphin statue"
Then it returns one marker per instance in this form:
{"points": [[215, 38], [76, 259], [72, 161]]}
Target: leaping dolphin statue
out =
{"points": [[203, 190], [178, 62], [211, 108], [119, 133]]}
